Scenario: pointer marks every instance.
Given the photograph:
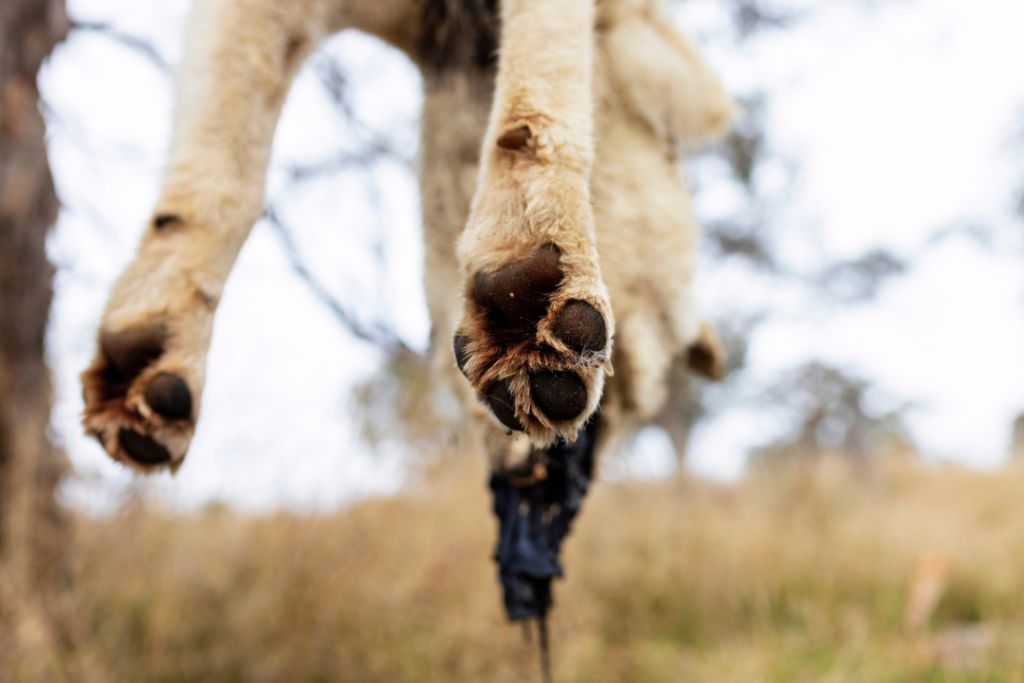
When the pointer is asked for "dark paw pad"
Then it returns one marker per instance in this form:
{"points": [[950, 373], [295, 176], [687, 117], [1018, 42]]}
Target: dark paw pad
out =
{"points": [[143, 449], [169, 396], [462, 352], [129, 352], [503, 405], [581, 327], [559, 395], [518, 294]]}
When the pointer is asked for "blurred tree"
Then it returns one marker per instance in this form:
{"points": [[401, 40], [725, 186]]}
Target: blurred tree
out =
{"points": [[33, 529], [687, 402], [750, 233], [830, 415], [752, 16]]}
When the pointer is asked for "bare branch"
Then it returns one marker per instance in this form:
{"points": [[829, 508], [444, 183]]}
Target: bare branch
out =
{"points": [[376, 334], [139, 45]]}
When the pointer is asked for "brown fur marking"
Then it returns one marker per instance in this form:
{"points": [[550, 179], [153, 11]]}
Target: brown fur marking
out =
{"points": [[163, 220], [706, 355], [516, 139]]}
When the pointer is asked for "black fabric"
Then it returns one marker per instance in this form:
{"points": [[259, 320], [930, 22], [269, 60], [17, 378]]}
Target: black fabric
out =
{"points": [[535, 519]]}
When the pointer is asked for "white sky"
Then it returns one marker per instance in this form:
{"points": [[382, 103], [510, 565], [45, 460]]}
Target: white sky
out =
{"points": [[902, 120]]}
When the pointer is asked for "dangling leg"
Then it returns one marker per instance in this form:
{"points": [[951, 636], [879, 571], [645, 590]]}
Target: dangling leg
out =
{"points": [[144, 388], [536, 331]]}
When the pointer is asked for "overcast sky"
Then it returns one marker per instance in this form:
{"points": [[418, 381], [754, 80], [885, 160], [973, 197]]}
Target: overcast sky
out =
{"points": [[902, 120]]}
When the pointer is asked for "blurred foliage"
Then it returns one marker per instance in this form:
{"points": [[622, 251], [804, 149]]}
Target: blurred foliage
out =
{"points": [[830, 412], [861, 278], [752, 16], [744, 233], [1017, 437], [815, 397], [403, 403]]}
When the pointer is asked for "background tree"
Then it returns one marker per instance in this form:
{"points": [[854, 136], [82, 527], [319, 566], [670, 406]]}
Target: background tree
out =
{"points": [[33, 529]]}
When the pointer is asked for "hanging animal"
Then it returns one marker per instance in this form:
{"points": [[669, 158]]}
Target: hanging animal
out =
{"points": [[558, 233]]}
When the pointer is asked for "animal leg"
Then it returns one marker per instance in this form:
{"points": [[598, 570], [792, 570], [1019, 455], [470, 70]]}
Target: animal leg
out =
{"points": [[536, 331], [143, 389]]}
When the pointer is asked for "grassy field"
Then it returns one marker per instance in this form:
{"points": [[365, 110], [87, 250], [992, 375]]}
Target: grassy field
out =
{"points": [[786, 577]]}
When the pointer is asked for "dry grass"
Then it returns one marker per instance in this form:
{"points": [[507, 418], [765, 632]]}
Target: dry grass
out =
{"points": [[793, 577]]}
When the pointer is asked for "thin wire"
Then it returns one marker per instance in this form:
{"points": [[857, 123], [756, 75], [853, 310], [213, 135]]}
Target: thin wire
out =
{"points": [[545, 653]]}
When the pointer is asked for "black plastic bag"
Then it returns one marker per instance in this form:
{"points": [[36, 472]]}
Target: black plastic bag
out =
{"points": [[535, 513]]}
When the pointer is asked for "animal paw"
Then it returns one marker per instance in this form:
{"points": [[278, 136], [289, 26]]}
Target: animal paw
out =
{"points": [[535, 341], [142, 390], [141, 396]]}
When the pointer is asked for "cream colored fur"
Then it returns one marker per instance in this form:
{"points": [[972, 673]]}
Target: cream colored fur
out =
{"points": [[646, 235], [540, 195], [658, 99], [653, 94]]}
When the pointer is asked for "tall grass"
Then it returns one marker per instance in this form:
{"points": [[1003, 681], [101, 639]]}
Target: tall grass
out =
{"points": [[792, 576]]}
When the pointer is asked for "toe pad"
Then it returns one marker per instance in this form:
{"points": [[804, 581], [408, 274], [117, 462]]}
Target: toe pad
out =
{"points": [[503, 405], [559, 395], [169, 396], [143, 449], [581, 327]]}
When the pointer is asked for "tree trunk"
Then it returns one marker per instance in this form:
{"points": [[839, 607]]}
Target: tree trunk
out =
{"points": [[33, 532]]}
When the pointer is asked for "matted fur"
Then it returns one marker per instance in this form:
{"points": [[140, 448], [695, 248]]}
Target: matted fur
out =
{"points": [[599, 177]]}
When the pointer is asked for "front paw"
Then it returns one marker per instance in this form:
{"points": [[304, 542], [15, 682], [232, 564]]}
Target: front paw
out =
{"points": [[141, 395], [535, 344]]}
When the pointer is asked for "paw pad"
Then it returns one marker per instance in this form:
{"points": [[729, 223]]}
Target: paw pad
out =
{"points": [[581, 327], [142, 449], [561, 395], [506, 341], [114, 412], [503, 405], [462, 352], [517, 295], [169, 396]]}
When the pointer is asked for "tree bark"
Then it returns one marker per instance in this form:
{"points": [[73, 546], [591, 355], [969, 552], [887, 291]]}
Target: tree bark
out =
{"points": [[33, 532]]}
